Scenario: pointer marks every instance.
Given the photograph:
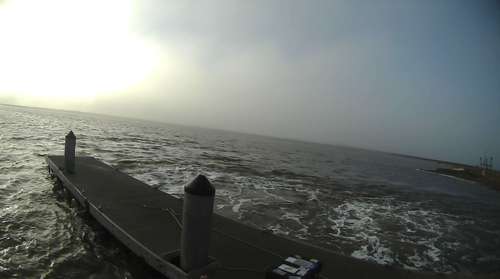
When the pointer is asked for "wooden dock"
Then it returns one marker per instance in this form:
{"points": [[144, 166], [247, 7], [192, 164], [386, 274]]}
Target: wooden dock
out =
{"points": [[149, 222]]}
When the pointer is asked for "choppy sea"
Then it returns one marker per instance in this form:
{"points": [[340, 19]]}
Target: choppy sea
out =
{"points": [[364, 204]]}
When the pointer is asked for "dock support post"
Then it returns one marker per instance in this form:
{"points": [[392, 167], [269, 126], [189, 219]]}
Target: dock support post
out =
{"points": [[197, 223], [69, 152]]}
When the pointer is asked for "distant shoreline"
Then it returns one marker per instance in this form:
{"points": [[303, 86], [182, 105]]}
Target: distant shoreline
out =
{"points": [[455, 164], [489, 178]]}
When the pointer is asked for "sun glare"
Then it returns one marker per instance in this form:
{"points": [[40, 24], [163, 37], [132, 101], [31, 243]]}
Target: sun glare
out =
{"points": [[70, 49]]}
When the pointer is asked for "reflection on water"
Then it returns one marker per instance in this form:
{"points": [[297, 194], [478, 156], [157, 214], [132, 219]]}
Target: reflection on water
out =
{"points": [[364, 204]]}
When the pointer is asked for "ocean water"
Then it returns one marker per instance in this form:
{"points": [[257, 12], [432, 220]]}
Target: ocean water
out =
{"points": [[364, 204]]}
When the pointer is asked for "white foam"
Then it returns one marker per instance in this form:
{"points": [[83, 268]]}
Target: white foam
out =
{"points": [[236, 207], [374, 251], [292, 216], [278, 229]]}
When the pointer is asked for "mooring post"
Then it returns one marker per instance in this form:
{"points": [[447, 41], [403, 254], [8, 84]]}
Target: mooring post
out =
{"points": [[197, 223], [69, 152]]}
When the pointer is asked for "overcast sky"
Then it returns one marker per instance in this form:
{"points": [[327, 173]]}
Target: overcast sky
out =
{"points": [[413, 77]]}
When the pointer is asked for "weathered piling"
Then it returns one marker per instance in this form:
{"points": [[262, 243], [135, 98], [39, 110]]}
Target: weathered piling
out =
{"points": [[197, 222], [69, 152]]}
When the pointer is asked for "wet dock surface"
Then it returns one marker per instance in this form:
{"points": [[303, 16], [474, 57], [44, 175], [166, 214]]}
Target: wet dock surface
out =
{"points": [[149, 222]]}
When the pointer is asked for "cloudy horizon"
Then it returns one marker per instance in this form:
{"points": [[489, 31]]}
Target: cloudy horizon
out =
{"points": [[413, 77]]}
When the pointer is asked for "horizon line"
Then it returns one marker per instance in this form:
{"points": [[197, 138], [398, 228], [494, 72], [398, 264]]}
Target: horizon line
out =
{"points": [[343, 145]]}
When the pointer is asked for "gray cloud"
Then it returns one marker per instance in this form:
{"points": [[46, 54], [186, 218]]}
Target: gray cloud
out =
{"points": [[417, 77]]}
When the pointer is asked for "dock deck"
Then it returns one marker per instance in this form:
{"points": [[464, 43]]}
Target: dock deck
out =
{"points": [[149, 222]]}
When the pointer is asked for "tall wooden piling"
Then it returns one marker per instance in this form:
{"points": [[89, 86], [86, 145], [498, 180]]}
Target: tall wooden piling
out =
{"points": [[197, 221], [69, 152]]}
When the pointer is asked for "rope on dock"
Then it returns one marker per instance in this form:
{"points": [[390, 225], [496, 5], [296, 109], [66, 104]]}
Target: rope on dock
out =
{"points": [[173, 214], [169, 210], [256, 247], [250, 244]]}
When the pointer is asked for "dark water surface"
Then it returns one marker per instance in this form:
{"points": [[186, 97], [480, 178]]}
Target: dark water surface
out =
{"points": [[364, 204]]}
